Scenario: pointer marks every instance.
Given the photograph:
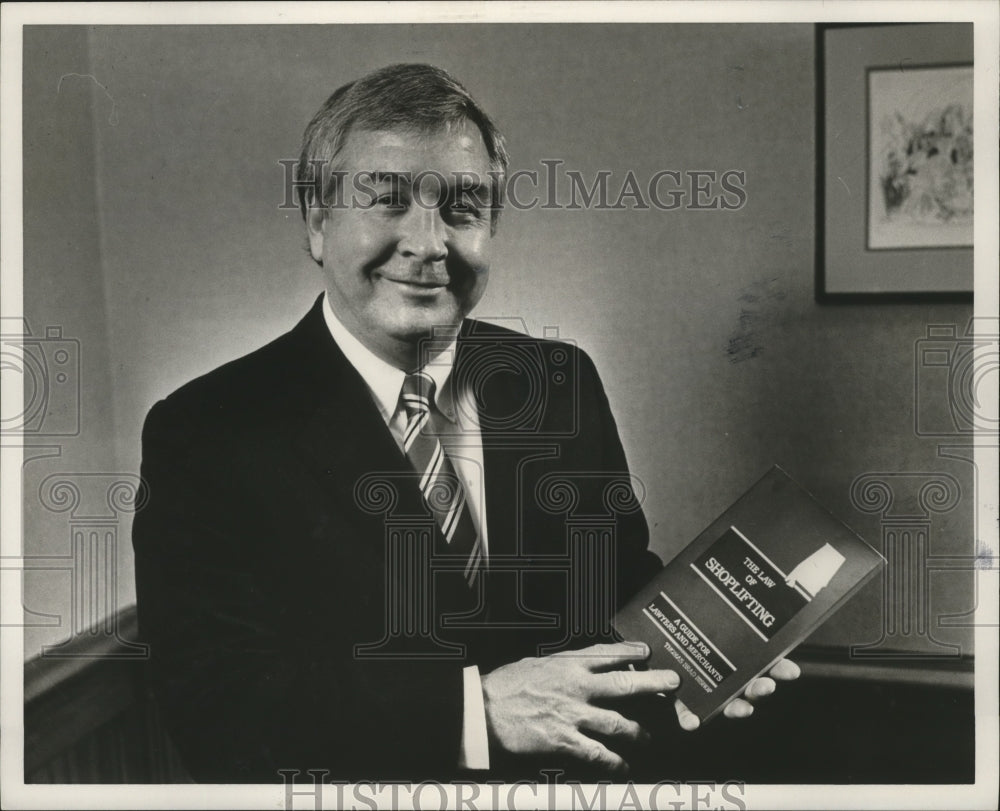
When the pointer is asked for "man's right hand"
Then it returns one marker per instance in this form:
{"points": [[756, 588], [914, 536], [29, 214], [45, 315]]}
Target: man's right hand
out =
{"points": [[543, 705]]}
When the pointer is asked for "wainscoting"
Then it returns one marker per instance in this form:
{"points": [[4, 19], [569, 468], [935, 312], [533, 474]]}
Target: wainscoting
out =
{"points": [[88, 717]]}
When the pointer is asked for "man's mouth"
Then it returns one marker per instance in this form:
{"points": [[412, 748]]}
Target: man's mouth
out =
{"points": [[418, 285]]}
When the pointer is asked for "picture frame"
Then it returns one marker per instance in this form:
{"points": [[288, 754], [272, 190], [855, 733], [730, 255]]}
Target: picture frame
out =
{"points": [[894, 201]]}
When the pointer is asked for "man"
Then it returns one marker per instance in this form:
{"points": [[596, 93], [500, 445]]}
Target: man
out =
{"points": [[358, 551]]}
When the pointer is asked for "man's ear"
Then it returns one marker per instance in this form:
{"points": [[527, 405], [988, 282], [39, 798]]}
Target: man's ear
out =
{"points": [[315, 219]]}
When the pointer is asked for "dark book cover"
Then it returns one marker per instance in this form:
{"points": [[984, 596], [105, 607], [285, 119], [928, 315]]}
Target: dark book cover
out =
{"points": [[761, 578]]}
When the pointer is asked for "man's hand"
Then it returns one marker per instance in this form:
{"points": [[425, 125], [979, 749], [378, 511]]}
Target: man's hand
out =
{"points": [[784, 670], [543, 705]]}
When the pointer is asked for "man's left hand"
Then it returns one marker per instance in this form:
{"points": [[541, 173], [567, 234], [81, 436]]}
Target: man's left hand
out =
{"points": [[784, 670]]}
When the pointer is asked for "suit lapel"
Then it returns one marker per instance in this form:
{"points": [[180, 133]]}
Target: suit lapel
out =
{"points": [[344, 441], [499, 366], [343, 438]]}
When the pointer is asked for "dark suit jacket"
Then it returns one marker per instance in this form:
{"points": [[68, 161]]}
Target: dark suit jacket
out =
{"points": [[272, 568]]}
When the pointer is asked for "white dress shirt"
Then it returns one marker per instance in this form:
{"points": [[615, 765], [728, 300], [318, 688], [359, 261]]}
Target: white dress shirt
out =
{"points": [[460, 436]]}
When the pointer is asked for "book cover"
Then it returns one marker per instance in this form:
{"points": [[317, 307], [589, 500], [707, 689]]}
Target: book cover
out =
{"points": [[761, 578]]}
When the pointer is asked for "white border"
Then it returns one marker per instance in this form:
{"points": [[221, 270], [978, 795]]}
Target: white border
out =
{"points": [[13, 16]]}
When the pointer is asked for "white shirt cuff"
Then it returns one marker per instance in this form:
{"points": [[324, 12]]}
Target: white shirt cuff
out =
{"points": [[475, 749]]}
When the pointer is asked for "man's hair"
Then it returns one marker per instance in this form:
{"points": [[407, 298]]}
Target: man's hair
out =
{"points": [[413, 97]]}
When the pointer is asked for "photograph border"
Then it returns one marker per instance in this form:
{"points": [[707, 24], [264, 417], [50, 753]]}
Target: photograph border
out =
{"points": [[16, 794]]}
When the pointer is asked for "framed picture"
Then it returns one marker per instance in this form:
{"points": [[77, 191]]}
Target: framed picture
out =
{"points": [[895, 154]]}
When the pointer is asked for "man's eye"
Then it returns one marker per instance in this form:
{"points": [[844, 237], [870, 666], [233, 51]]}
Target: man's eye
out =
{"points": [[464, 209], [391, 200]]}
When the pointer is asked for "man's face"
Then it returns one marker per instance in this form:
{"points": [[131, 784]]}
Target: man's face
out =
{"points": [[403, 248]]}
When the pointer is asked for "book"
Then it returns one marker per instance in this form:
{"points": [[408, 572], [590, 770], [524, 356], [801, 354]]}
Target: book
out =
{"points": [[758, 581]]}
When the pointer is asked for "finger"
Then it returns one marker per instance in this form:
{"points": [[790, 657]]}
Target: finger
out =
{"points": [[785, 670], [620, 683], [597, 754], [687, 719], [608, 656], [738, 708], [614, 725], [759, 688]]}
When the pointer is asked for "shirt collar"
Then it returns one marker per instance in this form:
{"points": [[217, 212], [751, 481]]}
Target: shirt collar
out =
{"points": [[383, 379]]}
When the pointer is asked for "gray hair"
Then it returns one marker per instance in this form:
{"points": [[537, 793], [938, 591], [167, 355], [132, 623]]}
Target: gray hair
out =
{"points": [[412, 97]]}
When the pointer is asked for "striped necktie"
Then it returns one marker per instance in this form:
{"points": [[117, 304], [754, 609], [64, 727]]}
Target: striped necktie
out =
{"points": [[441, 488]]}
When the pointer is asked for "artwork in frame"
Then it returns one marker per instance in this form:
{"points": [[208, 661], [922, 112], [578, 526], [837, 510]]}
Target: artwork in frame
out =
{"points": [[895, 151], [920, 158]]}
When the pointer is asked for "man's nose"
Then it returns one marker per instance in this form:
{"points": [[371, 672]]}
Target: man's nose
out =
{"points": [[423, 234]]}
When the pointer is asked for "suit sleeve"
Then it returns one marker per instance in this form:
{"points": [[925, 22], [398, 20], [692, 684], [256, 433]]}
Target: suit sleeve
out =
{"points": [[250, 677], [636, 563]]}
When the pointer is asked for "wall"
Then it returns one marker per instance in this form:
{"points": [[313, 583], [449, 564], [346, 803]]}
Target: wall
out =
{"points": [[717, 359], [64, 289]]}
